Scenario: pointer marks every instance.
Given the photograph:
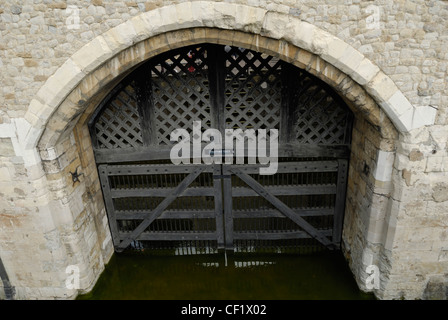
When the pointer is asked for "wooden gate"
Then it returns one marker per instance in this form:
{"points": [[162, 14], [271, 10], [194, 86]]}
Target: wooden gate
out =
{"points": [[149, 200]]}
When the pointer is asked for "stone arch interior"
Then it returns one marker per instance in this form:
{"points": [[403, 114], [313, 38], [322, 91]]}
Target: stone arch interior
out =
{"points": [[224, 87]]}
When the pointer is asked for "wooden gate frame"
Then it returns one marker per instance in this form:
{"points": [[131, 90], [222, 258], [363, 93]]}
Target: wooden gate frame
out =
{"points": [[143, 144], [223, 195]]}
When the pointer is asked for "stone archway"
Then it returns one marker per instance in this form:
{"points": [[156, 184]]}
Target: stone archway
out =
{"points": [[81, 70], [63, 105]]}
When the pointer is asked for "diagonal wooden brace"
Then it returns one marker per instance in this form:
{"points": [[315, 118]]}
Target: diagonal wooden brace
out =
{"points": [[258, 188], [159, 209]]}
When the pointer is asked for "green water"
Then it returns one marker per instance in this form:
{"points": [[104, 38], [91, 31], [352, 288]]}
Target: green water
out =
{"points": [[222, 277]]}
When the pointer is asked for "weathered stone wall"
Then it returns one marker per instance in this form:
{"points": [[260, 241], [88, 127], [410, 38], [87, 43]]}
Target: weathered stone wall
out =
{"points": [[397, 202]]}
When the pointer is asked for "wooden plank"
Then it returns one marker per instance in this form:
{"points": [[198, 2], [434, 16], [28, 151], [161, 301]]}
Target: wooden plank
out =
{"points": [[218, 206], [169, 214], [340, 201], [313, 150], [289, 83], [236, 191], [160, 208], [171, 236], [110, 209], [163, 153], [286, 190], [276, 235], [153, 169], [228, 204], [211, 214], [216, 76], [160, 192], [145, 104], [317, 212], [283, 208], [293, 167], [130, 155]]}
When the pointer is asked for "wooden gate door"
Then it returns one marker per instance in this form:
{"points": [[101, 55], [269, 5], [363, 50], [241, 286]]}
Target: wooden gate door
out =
{"points": [[150, 200]]}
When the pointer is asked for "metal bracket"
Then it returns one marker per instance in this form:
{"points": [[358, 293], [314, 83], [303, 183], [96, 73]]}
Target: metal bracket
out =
{"points": [[75, 176]]}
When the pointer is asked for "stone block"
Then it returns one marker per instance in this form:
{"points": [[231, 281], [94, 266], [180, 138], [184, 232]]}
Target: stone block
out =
{"points": [[435, 164], [330, 48], [384, 166], [424, 116], [4, 174], [381, 87], [203, 13], [299, 33], [6, 148], [60, 84], [364, 72], [440, 192], [153, 21], [40, 110], [227, 15], [120, 37], [248, 19], [92, 55], [398, 108], [349, 62]]}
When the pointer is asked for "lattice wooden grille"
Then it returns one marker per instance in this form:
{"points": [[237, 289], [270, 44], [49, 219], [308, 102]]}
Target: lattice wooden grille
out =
{"points": [[253, 90], [119, 126], [180, 92], [320, 119]]}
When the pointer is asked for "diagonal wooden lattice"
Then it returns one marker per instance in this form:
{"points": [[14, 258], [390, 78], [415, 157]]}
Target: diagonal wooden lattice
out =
{"points": [[180, 92], [253, 90], [319, 118], [119, 124]]}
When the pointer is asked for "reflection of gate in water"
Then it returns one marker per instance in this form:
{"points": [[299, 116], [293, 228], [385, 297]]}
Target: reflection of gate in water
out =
{"points": [[200, 208]]}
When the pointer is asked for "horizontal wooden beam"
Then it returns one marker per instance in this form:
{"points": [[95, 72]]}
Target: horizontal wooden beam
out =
{"points": [[276, 235], [286, 190], [163, 153], [196, 214], [169, 214], [236, 191], [292, 167], [160, 192], [317, 212], [171, 236], [152, 169]]}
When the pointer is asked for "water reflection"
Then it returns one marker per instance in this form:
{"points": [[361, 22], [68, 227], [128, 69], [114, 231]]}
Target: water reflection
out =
{"points": [[219, 276]]}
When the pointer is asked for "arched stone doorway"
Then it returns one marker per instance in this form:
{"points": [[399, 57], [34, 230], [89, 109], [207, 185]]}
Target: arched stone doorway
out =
{"points": [[297, 128], [58, 118]]}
